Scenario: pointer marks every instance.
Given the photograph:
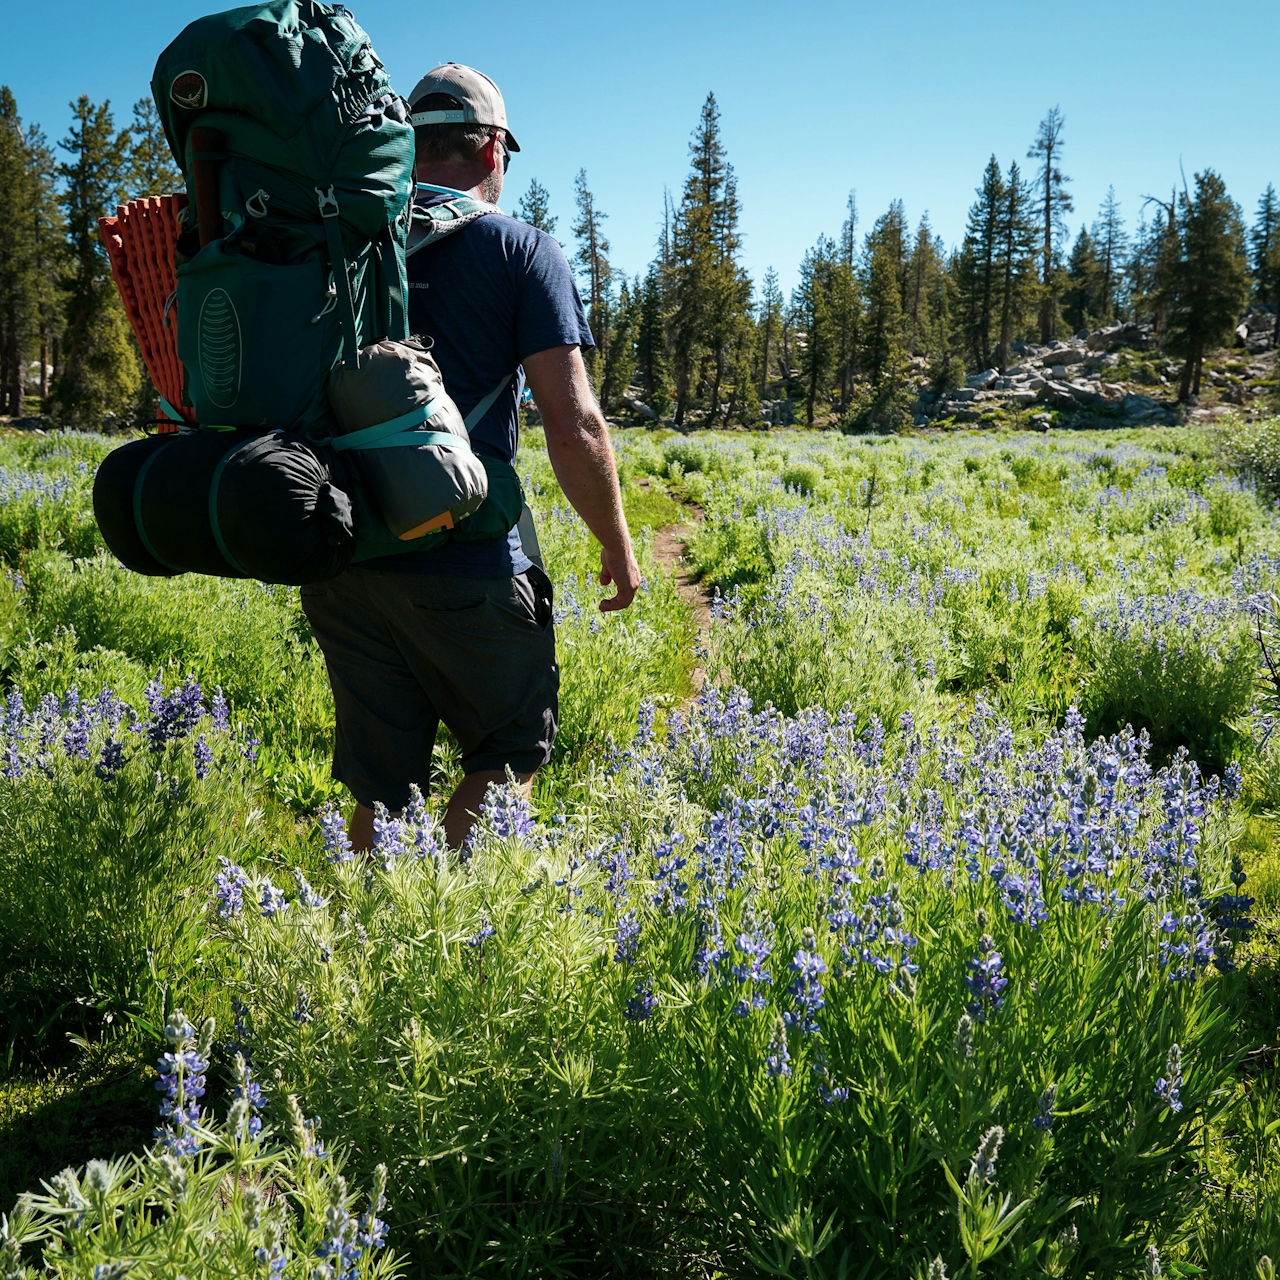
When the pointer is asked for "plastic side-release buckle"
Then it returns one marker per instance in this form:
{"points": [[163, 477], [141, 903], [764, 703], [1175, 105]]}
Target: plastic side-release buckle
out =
{"points": [[328, 203]]}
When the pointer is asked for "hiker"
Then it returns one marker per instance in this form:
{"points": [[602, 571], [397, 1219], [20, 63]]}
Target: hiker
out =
{"points": [[462, 632]]}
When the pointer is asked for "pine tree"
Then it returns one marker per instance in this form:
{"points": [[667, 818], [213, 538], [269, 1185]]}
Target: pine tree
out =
{"points": [[1052, 201], [1265, 253], [770, 325], [1208, 280], [51, 254], [884, 352], [845, 302], [535, 208], [1084, 302], [17, 255], [619, 360], [101, 374], [1110, 243], [977, 280], [592, 259], [651, 341], [711, 294], [925, 291], [1016, 268], [811, 304], [151, 171]]}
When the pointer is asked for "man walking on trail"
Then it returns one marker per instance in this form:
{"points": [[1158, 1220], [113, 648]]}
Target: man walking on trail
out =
{"points": [[462, 632]]}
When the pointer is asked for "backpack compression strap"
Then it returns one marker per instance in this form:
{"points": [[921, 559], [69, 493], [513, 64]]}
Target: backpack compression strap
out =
{"points": [[341, 281], [399, 432]]}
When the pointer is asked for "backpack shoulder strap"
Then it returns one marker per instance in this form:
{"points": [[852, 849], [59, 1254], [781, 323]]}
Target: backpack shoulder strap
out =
{"points": [[430, 225], [472, 420]]}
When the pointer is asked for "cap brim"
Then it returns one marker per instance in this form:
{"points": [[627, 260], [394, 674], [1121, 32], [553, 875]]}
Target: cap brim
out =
{"points": [[512, 144]]}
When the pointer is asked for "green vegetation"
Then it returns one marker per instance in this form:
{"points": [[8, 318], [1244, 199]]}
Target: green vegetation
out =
{"points": [[802, 975]]}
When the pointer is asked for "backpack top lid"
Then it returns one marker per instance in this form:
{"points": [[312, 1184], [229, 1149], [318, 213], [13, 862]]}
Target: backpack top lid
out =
{"points": [[284, 63]]}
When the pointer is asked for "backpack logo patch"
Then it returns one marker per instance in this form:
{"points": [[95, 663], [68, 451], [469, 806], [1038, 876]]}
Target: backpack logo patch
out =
{"points": [[219, 347], [189, 90]]}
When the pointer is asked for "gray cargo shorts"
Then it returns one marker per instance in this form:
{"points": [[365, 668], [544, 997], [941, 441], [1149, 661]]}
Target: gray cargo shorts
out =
{"points": [[406, 651]]}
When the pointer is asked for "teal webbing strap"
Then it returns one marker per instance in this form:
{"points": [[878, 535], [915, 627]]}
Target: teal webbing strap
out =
{"points": [[137, 510], [214, 523], [341, 281], [366, 435], [174, 415], [472, 420], [412, 439]]}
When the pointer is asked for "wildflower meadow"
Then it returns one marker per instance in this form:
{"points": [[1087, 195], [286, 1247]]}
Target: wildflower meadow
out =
{"points": [[902, 901]]}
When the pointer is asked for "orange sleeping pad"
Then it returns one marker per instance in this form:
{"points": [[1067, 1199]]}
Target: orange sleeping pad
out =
{"points": [[140, 241]]}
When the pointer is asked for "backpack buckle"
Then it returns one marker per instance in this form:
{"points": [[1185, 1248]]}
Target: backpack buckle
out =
{"points": [[328, 203]]}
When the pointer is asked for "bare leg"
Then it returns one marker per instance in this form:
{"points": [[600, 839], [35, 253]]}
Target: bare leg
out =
{"points": [[459, 817]]}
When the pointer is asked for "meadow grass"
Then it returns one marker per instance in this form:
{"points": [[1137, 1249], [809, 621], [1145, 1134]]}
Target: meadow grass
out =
{"points": [[922, 940]]}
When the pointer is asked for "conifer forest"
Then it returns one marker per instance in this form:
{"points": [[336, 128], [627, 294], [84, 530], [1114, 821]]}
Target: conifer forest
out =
{"points": [[902, 899]]}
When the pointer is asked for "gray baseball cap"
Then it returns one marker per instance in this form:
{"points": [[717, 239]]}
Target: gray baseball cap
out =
{"points": [[480, 99]]}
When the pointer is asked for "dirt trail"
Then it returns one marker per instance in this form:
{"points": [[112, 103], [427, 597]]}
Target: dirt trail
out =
{"points": [[668, 555]]}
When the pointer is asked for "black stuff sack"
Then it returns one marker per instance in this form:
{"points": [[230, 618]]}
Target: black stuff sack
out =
{"points": [[232, 504]]}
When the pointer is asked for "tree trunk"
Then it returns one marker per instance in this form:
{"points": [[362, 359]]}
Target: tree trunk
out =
{"points": [[764, 366], [1198, 360], [812, 401], [682, 390], [1184, 387], [44, 366]]}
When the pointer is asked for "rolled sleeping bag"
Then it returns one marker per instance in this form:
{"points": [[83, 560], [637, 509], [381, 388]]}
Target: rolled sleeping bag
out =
{"points": [[408, 442], [232, 504]]}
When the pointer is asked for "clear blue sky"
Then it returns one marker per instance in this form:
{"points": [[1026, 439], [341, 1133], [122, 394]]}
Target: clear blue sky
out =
{"points": [[905, 99]]}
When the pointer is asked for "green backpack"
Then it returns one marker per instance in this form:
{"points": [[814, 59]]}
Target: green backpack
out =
{"points": [[313, 165], [298, 158]]}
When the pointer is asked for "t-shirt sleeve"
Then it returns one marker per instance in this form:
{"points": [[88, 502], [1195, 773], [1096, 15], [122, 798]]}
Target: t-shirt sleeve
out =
{"points": [[549, 312]]}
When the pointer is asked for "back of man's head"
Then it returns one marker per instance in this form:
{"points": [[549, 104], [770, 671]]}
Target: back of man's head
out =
{"points": [[455, 110]]}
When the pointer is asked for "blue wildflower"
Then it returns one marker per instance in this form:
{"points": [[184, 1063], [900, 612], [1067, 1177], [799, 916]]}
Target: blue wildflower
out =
{"points": [[806, 991], [229, 885], [273, 901], [203, 755], [986, 980], [337, 844], [642, 1004], [777, 1057], [1167, 1086], [1043, 1119]]}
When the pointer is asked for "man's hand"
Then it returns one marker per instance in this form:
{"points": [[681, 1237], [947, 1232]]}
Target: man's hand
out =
{"points": [[625, 576], [582, 458]]}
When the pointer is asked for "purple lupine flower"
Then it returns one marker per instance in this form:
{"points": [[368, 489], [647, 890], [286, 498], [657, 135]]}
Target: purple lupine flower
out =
{"points": [[273, 902], [506, 811], [250, 1092], [1167, 1086], [1043, 1119], [388, 836], [337, 844], [483, 934], [182, 1080], [203, 755], [220, 712], [173, 715], [806, 990], [229, 885], [642, 1004], [986, 980], [777, 1057], [110, 761], [307, 896], [626, 938], [756, 945], [302, 1007]]}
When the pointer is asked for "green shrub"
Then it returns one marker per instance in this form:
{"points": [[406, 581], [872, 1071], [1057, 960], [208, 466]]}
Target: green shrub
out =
{"points": [[111, 826], [1183, 667]]}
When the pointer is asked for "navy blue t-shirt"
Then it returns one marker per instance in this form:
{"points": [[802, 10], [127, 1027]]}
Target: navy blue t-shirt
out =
{"points": [[489, 295]]}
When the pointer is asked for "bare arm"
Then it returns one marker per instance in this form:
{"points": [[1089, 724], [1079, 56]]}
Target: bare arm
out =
{"points": [[582, 458]]}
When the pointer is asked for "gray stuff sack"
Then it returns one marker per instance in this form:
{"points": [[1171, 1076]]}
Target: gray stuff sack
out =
{"points": [[406, 438]]}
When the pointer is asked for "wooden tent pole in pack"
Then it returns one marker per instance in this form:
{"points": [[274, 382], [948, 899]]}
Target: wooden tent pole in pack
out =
{"points": [[206, 144]]}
